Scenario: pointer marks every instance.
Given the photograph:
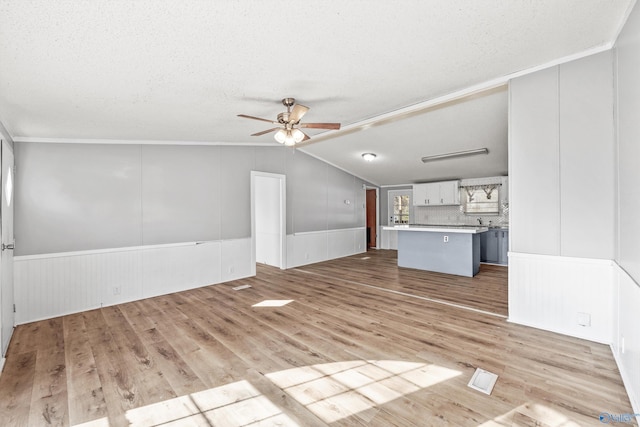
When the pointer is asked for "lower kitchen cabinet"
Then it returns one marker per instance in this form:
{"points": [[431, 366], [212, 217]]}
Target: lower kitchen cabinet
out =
{"points": [[494, 246]]}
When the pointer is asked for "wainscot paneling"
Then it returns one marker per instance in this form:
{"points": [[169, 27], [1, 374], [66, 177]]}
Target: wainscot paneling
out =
{"points": [[557, 293], [52, 285], [389, 239], [626, 345], [317, 246]]}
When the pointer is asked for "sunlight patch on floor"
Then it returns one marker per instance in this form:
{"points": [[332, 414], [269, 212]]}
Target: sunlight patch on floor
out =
{"points": [[331, 391], [273, 303], [235, 404], [334, 391], [532, 414]]}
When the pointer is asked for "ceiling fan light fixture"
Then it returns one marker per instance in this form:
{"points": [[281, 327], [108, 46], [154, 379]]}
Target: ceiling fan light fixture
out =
{"points": [[280, 136], [289, 139], [369, 157], [286, 131], [298, 135]]}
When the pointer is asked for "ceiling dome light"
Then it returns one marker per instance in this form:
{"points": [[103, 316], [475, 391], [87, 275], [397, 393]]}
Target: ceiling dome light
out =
{"points": [[369, 157], [280, 136]]}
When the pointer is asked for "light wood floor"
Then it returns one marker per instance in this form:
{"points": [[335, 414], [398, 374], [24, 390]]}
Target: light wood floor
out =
{"points": [[362, 343]]}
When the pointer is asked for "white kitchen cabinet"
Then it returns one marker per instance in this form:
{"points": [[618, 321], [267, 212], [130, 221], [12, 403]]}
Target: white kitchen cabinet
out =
{"points": [[436, 193], [420, 194], [450, 193]]}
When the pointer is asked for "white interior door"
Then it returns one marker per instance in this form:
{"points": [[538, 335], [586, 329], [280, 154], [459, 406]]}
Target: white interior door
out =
{"points": [[6, 257], [268, 218]]}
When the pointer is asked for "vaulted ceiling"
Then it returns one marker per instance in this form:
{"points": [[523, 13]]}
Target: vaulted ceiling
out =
{"points": [[396, 74]]}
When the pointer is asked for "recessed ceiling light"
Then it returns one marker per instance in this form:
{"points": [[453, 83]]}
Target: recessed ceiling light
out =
{"points": [[369, 157]]}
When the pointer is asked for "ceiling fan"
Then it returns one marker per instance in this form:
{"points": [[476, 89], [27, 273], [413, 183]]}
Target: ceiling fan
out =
{"points": [[288, 131]]}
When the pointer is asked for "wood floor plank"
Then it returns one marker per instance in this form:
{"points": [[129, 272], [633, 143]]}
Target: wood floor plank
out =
{"points": [[49, 401], [84, 389], [363, 343], [16, 388]]}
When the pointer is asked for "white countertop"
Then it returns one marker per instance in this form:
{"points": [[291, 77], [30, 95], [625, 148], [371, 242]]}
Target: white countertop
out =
{"points": [[469, 229]]}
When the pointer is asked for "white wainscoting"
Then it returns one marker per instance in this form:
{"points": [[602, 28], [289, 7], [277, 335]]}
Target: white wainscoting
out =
{"points": [[317, 246], [626, 345], [52, 285], [389, 239], [549, 292]]}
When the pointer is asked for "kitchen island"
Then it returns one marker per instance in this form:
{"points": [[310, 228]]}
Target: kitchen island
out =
{"points": [[443, 249]]}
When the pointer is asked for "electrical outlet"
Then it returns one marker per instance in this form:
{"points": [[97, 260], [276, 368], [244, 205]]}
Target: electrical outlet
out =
{"points": [[446, 239], [117, 290], [306, 256], [230, 269]]}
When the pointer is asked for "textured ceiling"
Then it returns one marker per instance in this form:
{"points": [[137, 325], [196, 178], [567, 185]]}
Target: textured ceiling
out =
{"points": [[160, 70]]}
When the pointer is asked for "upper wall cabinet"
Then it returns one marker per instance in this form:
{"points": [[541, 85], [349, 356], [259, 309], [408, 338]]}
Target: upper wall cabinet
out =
{"points": [[436, 193]]}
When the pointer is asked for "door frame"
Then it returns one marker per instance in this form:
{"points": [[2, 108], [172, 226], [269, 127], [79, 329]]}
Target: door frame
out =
{"points": [[283, 217], [396, 192], [5, 147], [370, 187]]}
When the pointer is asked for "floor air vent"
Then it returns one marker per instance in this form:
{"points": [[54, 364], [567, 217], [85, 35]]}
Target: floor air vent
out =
{"points": [[483, 381], [241, 287]]}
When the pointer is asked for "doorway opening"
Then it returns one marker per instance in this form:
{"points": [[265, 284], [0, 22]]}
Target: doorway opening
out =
{"points": [[372, 217], [268, 219]]}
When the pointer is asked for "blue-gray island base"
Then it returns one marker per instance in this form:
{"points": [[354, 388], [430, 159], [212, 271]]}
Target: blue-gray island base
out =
{"points": [[428, 250]]}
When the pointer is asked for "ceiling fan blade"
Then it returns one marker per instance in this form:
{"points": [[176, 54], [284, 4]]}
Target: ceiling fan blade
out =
{"points": [[257, 118], [265, 131], [297, 112], [306, 137], [334, 126]]}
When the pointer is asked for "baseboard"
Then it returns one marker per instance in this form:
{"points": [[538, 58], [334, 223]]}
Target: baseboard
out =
{"points": [[626, 381], [2, 364], [586, 337]]}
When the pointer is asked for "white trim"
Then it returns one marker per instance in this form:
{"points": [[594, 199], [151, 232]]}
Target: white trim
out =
{"points": [[283, 217], [137, 142], [111, 250], [5, 133], [336, 230], [563, 259], [627, 363], [621, 25], [560, 331], [397, 185], [2, 361], [626, 380], [334, 165]]}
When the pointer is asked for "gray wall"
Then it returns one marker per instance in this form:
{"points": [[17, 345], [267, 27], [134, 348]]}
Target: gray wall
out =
{"points": [[73, 197], [562, 160], [627, 54]]}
